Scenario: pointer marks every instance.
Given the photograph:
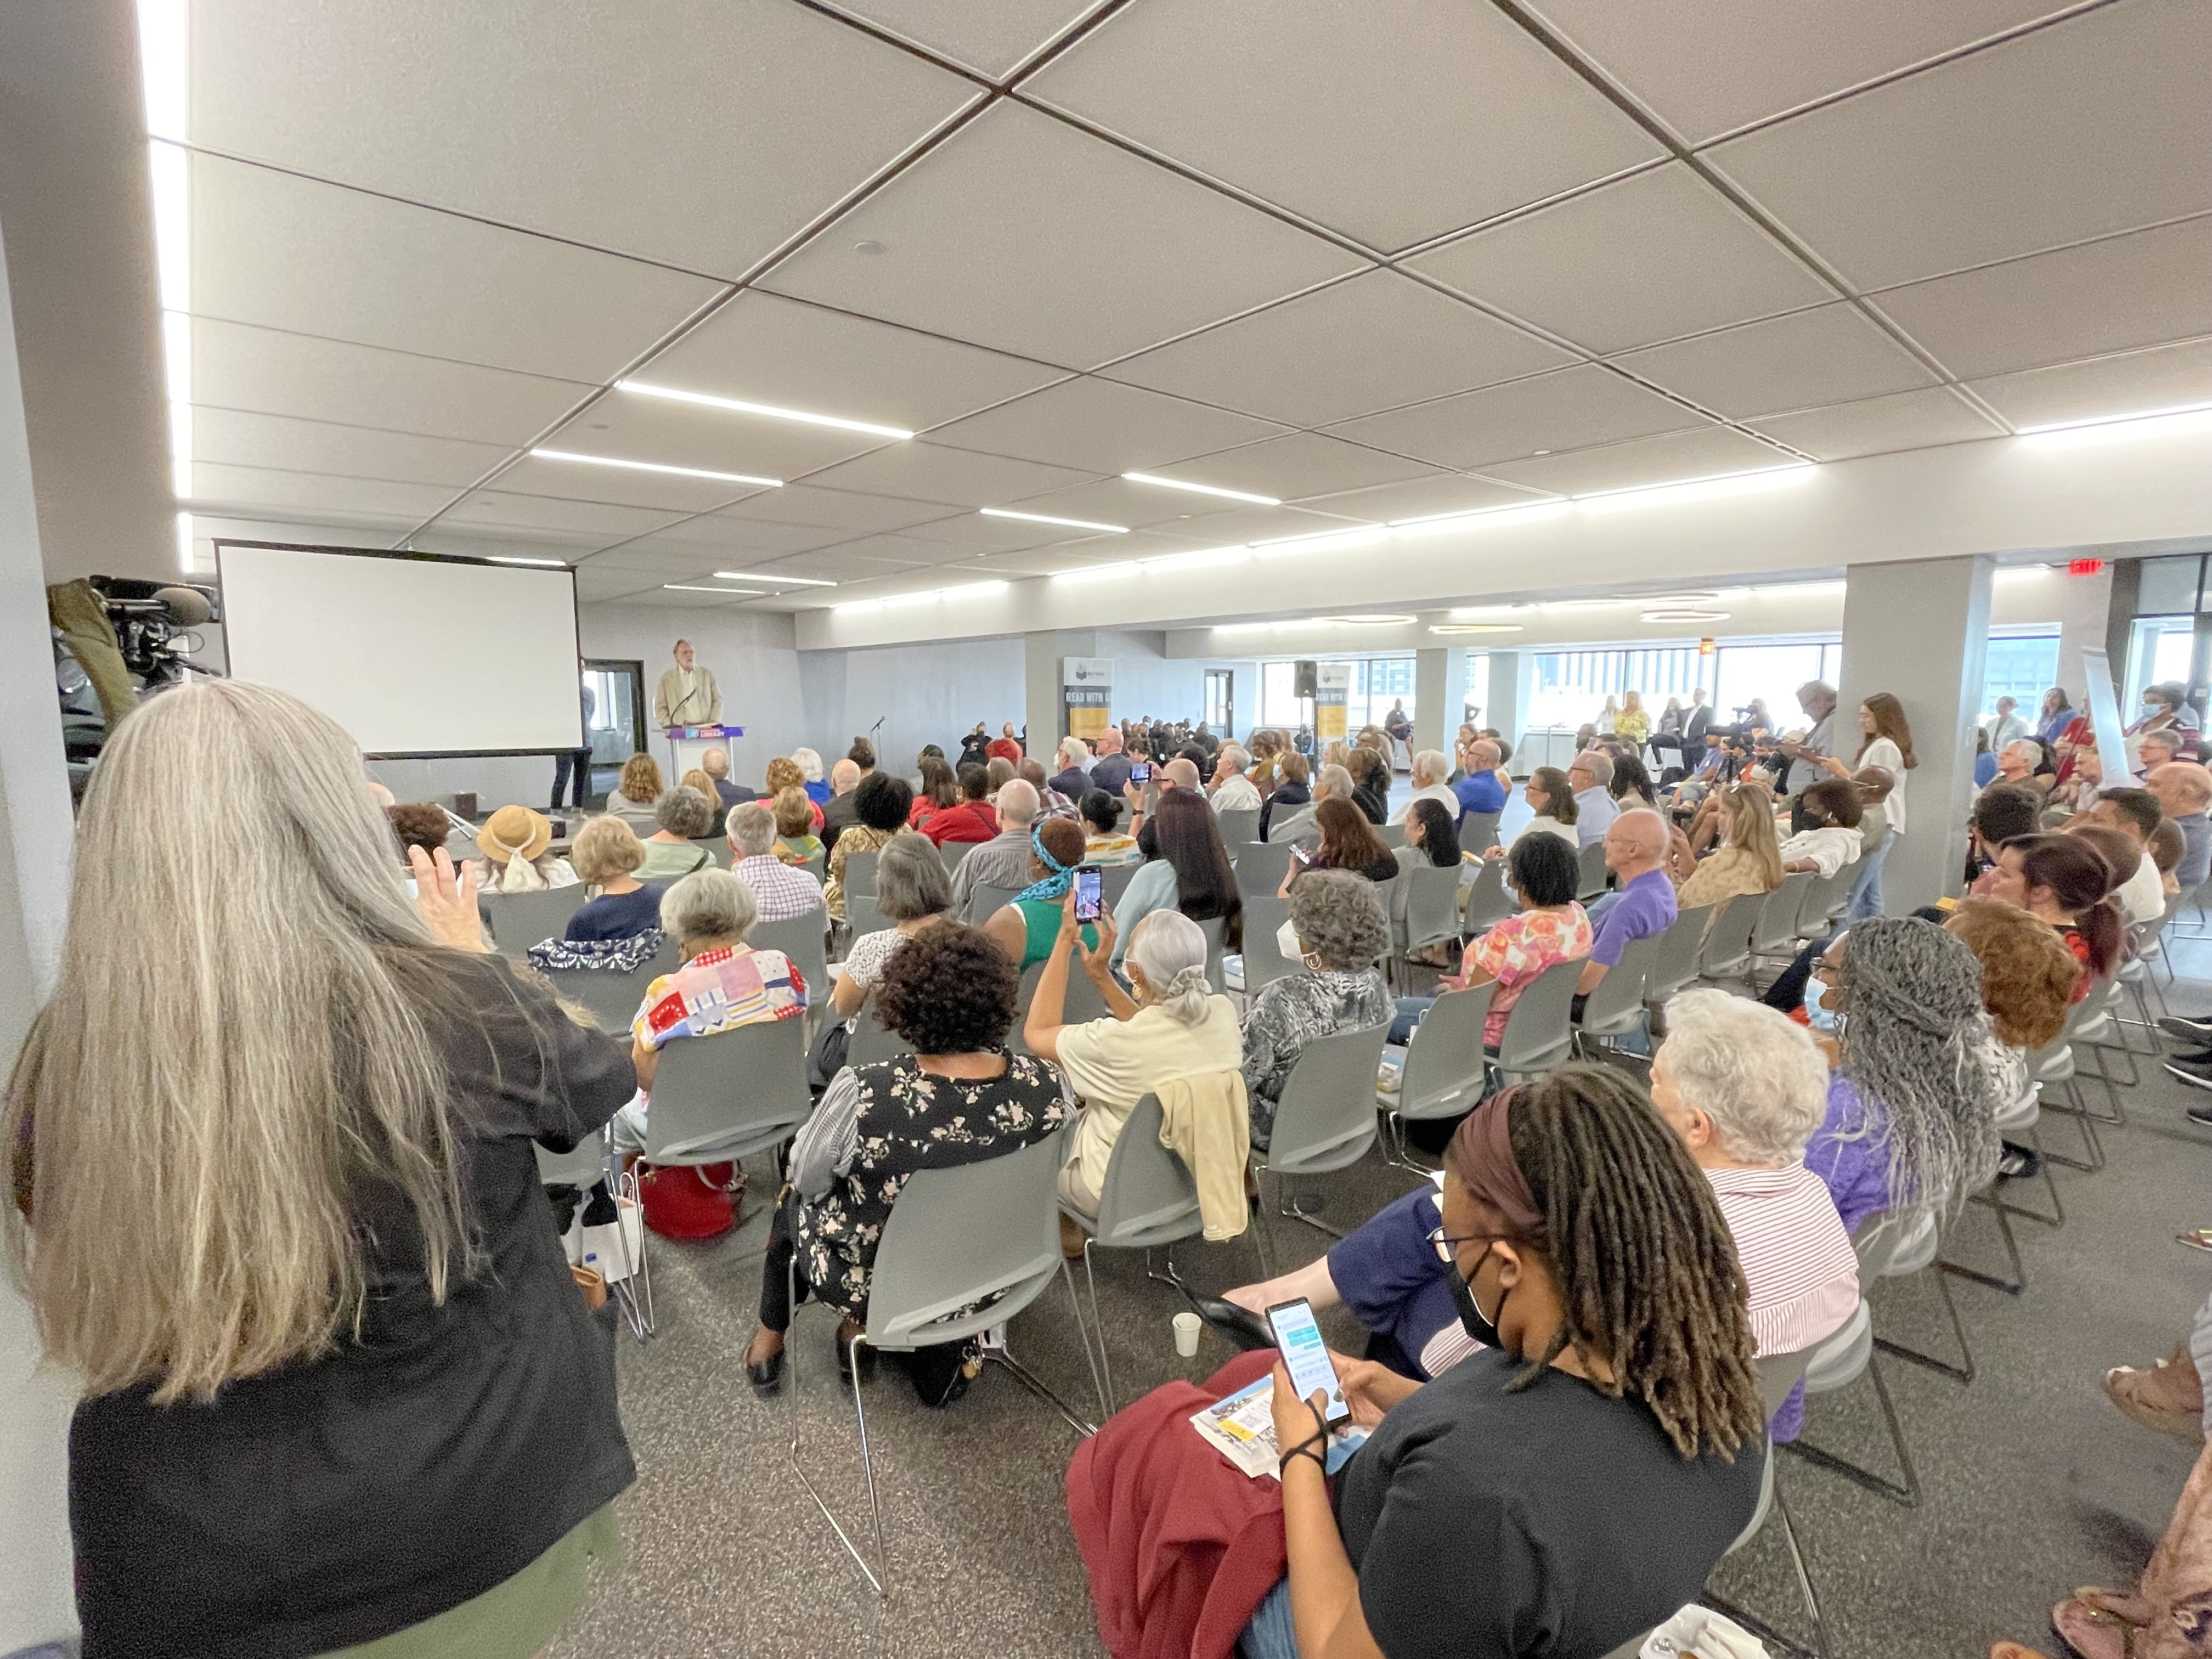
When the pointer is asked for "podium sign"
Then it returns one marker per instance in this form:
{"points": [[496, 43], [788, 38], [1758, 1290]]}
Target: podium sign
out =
{"points": [[686, 744], [1086, 695], [1332, 693]]}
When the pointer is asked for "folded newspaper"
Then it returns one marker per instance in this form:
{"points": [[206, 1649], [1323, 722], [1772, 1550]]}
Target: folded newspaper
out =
{"points": [[1243, 1426]]}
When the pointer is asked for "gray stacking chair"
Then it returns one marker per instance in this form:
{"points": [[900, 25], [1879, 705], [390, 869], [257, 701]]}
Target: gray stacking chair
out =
{"points": [[984, 901], [1777, 1374], [1478, 832], [1887, 1245], [1539, 1030], [1595, 875], [518, 921], [1445, 1068], [1824, 901], [716, 847], [1897, 1246], [816, 866], [1726, 955], [1239, 829], [1617, 1007], [986, 1232], [861, 873], [1114, 880], [1216, 933], [1431, 910], [1775, 931], [718, 1099], [611, 999], [953, 851], [1489, 900], [861, 916], [1393, 835], [802, 939], [1325, 1120], [583, 1168], [1675, 965], [872, 1041], [1263, 960], [1260, 869]]}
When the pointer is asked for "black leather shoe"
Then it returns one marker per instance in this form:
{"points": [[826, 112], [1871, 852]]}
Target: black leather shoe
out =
{"points": [[767, 1374], [1239, 1326]]}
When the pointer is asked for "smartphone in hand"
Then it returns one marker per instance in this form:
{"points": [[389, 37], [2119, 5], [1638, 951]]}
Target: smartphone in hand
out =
{"points": [[1090, 904], [1305, 1355]]}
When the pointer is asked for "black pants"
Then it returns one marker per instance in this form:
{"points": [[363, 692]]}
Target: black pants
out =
{"points": [[1787, 991], [775, 1302], [577, 763]]}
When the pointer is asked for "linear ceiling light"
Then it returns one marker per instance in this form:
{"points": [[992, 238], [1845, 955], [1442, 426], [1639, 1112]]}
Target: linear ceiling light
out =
{"points": [[771, 576], [1697, 489], [1476, 627], [1369, 619], [1365, 535], [693, 587], [1100, 572], [922, 596], [740, 406], [2023, 573], [2175, 422], [1203, 490], [516, 558], [165, 69], [1199, 559], [1043, 518], [655, 466], [1683, 616], [1444, 524]]}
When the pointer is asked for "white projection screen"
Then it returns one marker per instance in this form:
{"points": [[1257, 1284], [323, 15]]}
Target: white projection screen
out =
{"points": [[416, 656]]}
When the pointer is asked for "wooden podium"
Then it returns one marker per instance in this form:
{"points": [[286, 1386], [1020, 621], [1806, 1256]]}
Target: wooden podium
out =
{"points": [[687, 743]]}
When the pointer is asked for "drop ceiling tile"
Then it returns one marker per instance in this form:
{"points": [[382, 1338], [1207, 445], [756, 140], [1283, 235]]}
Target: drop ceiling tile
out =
{"points": [[596, 584], [1877, 426], [763, 537], [576, 481], [938, 473], [1373, 343], [258, 491], [637, 427], [1300, 464], [664, 560], [869, 557], [835, 509], [614, 128], [269, 372], [1098, 426], [1647, 259], [238, 439], [282, 252], [1690, 64], [1571, 409], [1424, 498], [764, 348], [1243, 90], [1803, 361], [2089, 127], [514, 511], [1136, 506], [991, 39], [2127, 291], [2134, 382], [1025, 235], [1678, 455], [1260, 524], [686, 598], [973, 533]]}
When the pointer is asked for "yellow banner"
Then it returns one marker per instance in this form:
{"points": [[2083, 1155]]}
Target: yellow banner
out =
{"points": [[1088, 721], [1329, 722]]}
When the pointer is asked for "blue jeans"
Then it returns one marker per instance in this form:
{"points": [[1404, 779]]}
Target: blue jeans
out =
{"points": [[1410, 1009], [1866, 886], [1598, 906], [1271, 1635]]}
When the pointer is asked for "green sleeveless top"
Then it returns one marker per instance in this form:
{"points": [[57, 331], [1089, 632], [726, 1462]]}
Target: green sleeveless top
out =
{"points": [[1041, 918]]}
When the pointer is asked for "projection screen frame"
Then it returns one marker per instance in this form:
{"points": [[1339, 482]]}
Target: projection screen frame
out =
{"points": [[576, 618]]}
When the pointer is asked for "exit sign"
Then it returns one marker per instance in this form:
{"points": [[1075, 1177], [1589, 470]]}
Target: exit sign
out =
{"points": [[2084, 567]]}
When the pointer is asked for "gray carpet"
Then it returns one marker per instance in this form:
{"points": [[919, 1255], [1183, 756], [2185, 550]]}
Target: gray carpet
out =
{"points": [[2034, 1483]]}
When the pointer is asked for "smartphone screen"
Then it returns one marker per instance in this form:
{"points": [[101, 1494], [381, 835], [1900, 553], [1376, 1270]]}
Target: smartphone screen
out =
{"points": [[1306, 1356], [1087, 904], [1140, 773], [1300, 853]]}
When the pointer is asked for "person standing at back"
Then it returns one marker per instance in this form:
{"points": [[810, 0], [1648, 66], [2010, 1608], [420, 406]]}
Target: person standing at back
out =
{"points": [[1818, 699], [283, 1223]]}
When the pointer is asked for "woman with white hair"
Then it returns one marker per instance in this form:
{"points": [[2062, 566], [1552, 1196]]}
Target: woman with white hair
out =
{"points": [[1168, 1025], [1338, 932], [810, 776], [283, 1225]]}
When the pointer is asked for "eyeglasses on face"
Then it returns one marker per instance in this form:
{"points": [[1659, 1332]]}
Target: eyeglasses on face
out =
{"points": [[1443, 1242]]}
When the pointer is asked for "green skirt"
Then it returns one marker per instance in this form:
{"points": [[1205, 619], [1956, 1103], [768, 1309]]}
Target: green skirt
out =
{"points": [[516, 1618]]}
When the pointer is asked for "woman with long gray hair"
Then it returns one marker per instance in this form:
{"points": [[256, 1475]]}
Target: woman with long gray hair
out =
{"points": [[1913, 1105], [277, 1205]]}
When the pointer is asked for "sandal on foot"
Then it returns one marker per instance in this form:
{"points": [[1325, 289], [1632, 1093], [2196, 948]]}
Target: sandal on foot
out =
{"points": [[2088, 1632], [2168, 1397]]}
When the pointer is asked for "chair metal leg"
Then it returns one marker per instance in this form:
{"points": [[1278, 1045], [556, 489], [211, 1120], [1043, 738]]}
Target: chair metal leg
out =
{"points": [[1906, 1492], [1030, 1380], [1101, 1370], [879, 1584], [1290, 1210], [1964, 1373], [2092, 1146], [2017, 1282], [1775, 1640], [638, 1315]]}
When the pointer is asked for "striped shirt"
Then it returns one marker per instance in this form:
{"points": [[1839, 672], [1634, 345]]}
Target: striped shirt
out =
{"points": [[717, 990], [781, 890], [1796, 1257]]}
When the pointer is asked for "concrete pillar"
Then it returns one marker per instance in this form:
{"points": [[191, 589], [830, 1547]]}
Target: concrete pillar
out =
{"points": [[1433, 708], [1919, 629], [35, 831], [2085, 613], [1041, 684], [1506, 705]]}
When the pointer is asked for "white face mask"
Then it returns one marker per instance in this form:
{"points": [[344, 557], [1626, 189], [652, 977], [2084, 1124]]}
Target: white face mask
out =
{"points": [[1286, 941]]}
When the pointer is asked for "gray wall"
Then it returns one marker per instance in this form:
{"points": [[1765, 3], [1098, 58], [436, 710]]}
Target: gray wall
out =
{"points": [[922, 694]]}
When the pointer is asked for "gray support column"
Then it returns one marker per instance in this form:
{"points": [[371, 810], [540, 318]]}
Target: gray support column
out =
{"points": [[1244, 697], [35, 830], [1041, 684], [1512, 677], [1919, 629], [1434, 713]]}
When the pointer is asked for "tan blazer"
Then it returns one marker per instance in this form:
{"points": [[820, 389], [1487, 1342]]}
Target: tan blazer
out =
{"points": [[671, 707]]}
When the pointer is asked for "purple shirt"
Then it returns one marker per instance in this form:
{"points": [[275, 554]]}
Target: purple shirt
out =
{"points": [[1646, 906], [1850, 1151]]}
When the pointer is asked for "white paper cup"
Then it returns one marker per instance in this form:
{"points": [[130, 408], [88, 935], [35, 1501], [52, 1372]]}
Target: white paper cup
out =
{"points": [[1186, 1332]]}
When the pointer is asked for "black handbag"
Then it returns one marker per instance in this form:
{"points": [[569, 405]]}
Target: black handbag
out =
{"points": [[827, 1058]]}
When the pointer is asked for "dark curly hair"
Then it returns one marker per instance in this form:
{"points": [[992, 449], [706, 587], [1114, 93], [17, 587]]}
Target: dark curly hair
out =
{"points": [[883, 802], [949, 990], [1545, 868], [419, 824]]}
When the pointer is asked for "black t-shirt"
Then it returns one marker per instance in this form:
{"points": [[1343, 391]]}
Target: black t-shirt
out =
{"points": [[1550, 1522], [421, 1462], [616, 916]]}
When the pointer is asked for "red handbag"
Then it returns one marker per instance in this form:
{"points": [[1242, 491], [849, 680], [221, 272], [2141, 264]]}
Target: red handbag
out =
{"points": [[682, 1202]]}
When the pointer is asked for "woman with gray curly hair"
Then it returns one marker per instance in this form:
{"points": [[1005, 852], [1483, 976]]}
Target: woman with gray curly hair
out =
{"points": [[1338, 930], [672, 851]]}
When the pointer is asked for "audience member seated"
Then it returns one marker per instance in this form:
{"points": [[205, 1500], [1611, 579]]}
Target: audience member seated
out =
{"points": [[2063, 881], [1830, 812], [1110, 770], [1268, 747], [2080, 787], [1025, 927], [1074, 778], [2135, 814], [795, 840], [1552, 798], [1344, 839], [2000, 812], [1590, 779], [1985, 760], [1595, 1265], [2029, 977], [780, 891], [880, 804], [1005, 746], [1191, 873], [2185, 791], [1631, 783], [607, 856], [939, 792], [1180, 773], [515, 842], [1485, 788], [2166, 847], [1550, 927], [841, 811], [997, 773], [1003, 861], [672, 851], [1231, 791], [958, 1099], [1104, 841], [1290, 796], [1748, 859], [1371, 783], [715, 763], [722, 984], [912, 891], [2156, 749], [698, 782], [337, 1271], [1051, 803], [2018, 763], [1429, 780], [974, 820], [1636, 852], [811, 775], [1167, 1028], [1431, 842], [783, 772], [636, 792], [1338, 930], [419, 824]]}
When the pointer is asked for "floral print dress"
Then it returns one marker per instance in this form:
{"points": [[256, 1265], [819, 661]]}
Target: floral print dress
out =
{"points": [[1519, 949], [907, 1122]]}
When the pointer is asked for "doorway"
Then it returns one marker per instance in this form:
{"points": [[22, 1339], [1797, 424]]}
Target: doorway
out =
{"points": [[615, 726], [1221, 703]]}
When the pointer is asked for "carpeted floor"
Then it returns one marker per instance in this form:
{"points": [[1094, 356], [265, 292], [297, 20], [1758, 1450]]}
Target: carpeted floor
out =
{"points": [[2033, 1482]]}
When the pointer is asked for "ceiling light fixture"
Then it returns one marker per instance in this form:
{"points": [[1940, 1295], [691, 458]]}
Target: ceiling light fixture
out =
{"points": [[693, 587], [1369, 619], [1478, 612], [1683, 616], [1582, 604], [516, 558], [165, 69], [1443, 524], [1476, 627], [653, 466], [1199, 559], [1043, 518], [1203, 490], [771, 576], [2023, 573], [1365, 535], [1697, 489], [2179, 420], [1241, 628], [740, 406], [1798, 590]]}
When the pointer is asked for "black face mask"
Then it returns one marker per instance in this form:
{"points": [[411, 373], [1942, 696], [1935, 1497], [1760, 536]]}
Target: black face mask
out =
{"points": [[1477, 1324]]}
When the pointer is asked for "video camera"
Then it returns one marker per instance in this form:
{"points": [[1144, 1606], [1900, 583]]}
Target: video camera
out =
{"points": [[152, 621]]}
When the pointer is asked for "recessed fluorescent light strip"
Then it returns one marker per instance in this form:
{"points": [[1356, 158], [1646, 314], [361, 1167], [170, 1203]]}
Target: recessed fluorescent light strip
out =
{"points": [[516, 558], [965, 590], [1203, 490], [655, 466], [1043, 518], [2175, 422], [771, 411], [769, 576], [693, 587]]}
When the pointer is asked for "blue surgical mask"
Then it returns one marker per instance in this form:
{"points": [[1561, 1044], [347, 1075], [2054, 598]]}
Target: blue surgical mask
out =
{"points": [[1816, 1005]]}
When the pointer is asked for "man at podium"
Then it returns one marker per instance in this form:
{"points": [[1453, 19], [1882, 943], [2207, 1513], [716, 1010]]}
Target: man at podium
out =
{"points": [[687, 696]]}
